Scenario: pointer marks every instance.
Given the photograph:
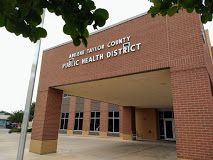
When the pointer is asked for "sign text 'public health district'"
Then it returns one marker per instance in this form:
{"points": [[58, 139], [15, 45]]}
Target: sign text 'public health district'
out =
{"points": [[126, 48]]}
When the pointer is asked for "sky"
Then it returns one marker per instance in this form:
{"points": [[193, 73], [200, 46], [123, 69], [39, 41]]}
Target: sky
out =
{"points": [[17, 52]]}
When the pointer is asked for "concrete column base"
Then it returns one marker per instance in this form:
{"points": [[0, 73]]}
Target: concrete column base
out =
{"points": [[69, 132], [85, 133], [43, 146], [103, 134], [126, 136]]}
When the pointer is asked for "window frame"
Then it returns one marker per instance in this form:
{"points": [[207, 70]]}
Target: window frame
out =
{"points": [[113, 121], [94, 118], [64, 119], [78, 119]]}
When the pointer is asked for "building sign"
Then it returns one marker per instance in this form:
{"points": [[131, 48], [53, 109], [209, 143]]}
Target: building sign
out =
{"points": [[126, 47]]}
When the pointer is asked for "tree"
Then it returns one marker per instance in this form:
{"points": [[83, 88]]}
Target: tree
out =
{"points": [[16, 117], [170, 7], [24, 16], [32, 109], [4, 113]]}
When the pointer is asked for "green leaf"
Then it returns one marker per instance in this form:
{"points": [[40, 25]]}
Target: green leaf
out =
{"points": [[76, 41], [84, 41], [100, 17], [66, 29], [190, 10], [86, 33], [90, 5], [41, 32], [154, 11], [2, 20], [172, 10], [101, 13], [10, 26]]}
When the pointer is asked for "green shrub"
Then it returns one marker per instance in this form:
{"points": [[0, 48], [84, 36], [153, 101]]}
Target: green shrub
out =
{"points": [[17, 130], [14, 130]]}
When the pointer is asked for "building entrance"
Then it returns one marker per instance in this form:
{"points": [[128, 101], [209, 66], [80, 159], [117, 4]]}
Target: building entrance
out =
{"points": [[166, 125]]}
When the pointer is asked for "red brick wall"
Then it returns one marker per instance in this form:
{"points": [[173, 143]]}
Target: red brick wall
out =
{"points": [[87, 109], [72, 113], [127, 120], [47, 115], [176, 42], [193, 111]]}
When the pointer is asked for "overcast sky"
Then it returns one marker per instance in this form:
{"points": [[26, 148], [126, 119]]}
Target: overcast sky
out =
{"points": [[17, 52]]}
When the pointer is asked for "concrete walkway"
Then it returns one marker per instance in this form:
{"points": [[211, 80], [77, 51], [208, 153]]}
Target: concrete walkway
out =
{"points": [[91, 148]]}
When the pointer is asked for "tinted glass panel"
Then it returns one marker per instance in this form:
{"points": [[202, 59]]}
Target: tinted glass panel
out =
{"points": [[116, 114], [110, 114], [62, 115], [116, 125], [92, 125], [161, 127], [169, 131], [76, 115], [92, 114], [76, 124], [97, 124], [62, 124], [81, 114], [65, 123], [97, 114], [80, 124], [110, 125], [160, 114], [168, 114], [67, 115]]}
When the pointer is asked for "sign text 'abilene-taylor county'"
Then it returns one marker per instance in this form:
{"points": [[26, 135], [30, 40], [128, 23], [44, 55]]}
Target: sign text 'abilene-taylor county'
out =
{"points": [[126, 48]]}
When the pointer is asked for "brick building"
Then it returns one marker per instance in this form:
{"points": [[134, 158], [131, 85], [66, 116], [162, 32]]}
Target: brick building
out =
{"points": [[144, 78]]}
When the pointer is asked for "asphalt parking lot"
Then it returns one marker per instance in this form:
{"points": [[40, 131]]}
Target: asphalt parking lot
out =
{"points": [[90, 148]]}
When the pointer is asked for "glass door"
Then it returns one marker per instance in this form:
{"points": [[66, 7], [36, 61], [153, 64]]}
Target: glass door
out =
{"points": [[169, 129]]}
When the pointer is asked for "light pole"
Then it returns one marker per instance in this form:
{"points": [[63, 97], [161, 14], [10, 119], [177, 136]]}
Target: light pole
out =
{"points": [[22, 139]]}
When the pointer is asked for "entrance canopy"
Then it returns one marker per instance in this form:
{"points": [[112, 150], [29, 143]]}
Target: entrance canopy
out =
{"points": [[146, 90]]}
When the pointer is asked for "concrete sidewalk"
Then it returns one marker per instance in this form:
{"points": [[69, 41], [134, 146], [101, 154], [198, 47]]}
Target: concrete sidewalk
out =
{"points": [[91, 148]]}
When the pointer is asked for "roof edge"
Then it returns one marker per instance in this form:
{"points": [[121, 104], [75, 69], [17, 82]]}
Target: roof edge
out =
{"points": [[101, 30]]}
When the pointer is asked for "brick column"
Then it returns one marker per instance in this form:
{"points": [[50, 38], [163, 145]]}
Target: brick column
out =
{"points": [[127, 123], [103, 119], [86, 121], [193, 111], [71, 120], [46, 122]]}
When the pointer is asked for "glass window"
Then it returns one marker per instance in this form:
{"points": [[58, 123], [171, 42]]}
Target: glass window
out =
{"points": [[92, 114], [92, 124], [78, 121], [76, 124], [81, 114], [116, 125], [97, 114], [64, 120], [113, 122], [116, 114], [168, 114], [80, 124], [110, 114], [95, 121], [110, 125]]}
